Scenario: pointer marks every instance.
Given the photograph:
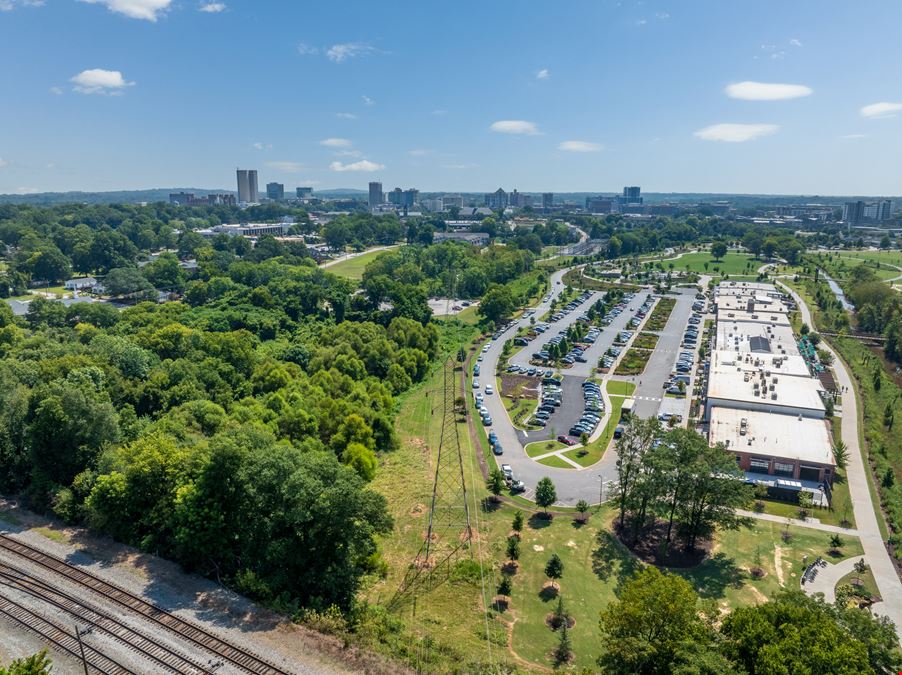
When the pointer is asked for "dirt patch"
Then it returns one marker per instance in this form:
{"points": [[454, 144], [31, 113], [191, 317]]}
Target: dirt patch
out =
{"points": [[778, 563], [648, 547], [538, 548], [517, 386], [550, 621], [418, 510]]}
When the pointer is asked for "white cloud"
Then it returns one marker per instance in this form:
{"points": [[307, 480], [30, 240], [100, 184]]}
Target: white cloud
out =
{"points": [[853, 137], [439, 112], [100, 81], [662, 16], [795, 42], [213, 7], [261, 146], [515, 127], [339, 53], [460, 167], [286, 166], [362, 165], [579, 146], [149, 10], [346, 116], [3, 163], [642, 22], [336, 142], [419, 152], [367, 100], [881, 110], [10, 5], [767, 91], [56, 90], [543, 74], [307, 50], [735, 133], [349, 153]]}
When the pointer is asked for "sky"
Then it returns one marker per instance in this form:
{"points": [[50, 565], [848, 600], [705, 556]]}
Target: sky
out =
{"points": [[742, 96]]}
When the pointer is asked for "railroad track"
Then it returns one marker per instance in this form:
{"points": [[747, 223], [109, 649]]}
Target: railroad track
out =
{"points": [[237, 656], [57, 635], [146, 646]]}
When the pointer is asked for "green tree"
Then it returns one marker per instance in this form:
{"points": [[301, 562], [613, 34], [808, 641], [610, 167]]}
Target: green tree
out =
{"points": [[718, 250], [563, 651], [554, 569], [517, 524], [495, 484], [496, 304], [128, 283], [36, 664], [505, 585], [841, 454], [513, 548], [546, 494], [655, 618]]}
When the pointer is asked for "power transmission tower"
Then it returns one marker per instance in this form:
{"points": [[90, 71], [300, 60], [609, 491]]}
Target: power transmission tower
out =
{"points": [[448, 535]]}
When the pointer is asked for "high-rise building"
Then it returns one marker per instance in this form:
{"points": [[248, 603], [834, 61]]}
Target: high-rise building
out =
{"points": [[450, 201], [632, 196], [497, 199], [519, 200], [376, 197], [247, 186], [853, 212], [403, 198], [884, 209], [304, 192], [547, 200], [275, 192]]}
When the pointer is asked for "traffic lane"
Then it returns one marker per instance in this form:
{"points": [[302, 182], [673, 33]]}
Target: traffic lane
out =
{"points": [[570, 410], [650, 389]]}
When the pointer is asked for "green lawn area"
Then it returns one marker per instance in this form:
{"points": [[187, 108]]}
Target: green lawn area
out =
{"points": [[633, 362], [353, 267], [556, 462], [868, 583], [732, 263], [840, 265], [543, 447]]}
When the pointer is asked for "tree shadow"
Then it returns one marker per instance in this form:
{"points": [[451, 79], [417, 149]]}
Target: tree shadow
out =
{"points": [[548, 593], [538, 521], [611, 559], [715, 575], [490, 505]]}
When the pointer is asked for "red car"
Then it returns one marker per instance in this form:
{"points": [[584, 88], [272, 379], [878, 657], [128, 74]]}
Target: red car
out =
{"points": [[566, 440]]}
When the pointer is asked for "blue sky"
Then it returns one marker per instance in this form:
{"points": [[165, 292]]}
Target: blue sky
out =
{"points": [[571, 95]]}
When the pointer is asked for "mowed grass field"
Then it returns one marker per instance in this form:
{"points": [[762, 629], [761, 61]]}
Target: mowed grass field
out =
{"points": [[353, 268], [732, 263], [886, 265]]}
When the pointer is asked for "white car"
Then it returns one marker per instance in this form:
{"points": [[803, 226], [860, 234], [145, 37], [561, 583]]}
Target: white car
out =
{"points": [[489, 390], [475, 384]]}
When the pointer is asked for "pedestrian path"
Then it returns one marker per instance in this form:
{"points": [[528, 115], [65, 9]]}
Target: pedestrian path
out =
{"points": [[812, 523], [827, 578]]}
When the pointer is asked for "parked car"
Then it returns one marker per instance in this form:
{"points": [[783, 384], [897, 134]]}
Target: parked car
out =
{"points": [[489, 390], [566, 440]]}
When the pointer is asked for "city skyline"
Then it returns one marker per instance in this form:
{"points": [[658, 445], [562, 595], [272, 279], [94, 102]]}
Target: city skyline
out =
{"points": [[608, 94]]}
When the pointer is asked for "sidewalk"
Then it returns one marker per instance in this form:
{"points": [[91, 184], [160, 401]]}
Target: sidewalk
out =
{"points": [[871, 540]]}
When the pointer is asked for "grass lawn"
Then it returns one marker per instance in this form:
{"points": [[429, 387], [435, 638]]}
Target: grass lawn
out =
{"points": [[353, 267], [868, 583], [543, 448], [633, 362], [555, 462], [732, 263]]}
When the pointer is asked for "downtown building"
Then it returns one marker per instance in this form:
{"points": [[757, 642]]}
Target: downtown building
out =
{"points": [[247, 186]]}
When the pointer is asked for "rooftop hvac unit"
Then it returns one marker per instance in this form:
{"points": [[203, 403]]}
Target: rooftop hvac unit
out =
{"points": [[773, 397]]}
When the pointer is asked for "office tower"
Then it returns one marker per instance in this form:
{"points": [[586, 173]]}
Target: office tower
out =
{"points": [[396, 197], [247, 186], [547, 200], [497, 199], [853, 212], [884, 209], [599, 204], [275, 191], [450, 201], [376, 198], [304, 192]]}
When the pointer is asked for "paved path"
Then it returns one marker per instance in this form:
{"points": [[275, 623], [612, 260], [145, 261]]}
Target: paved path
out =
{"points": [[812, 523], [869, 531], [827, 578]]}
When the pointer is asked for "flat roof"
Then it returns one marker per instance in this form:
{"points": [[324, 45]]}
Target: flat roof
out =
{"points": [[745, 287], [792, 365], [759, 304], [772, 435], [735, 335], [758, 316], [728, 381]]}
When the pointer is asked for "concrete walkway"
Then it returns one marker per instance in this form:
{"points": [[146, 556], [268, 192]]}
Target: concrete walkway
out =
{"points": [[865, 518], [827, 578], [811, 523]]}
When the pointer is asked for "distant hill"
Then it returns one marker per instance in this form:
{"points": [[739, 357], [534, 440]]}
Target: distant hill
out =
{"points": [[339, 192]]}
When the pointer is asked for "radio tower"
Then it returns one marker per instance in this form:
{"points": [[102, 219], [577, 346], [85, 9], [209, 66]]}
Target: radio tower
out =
{"points": [[448, 535]]}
